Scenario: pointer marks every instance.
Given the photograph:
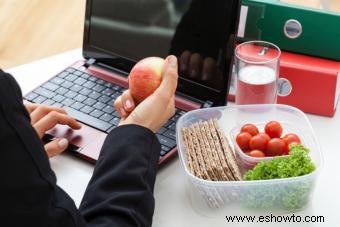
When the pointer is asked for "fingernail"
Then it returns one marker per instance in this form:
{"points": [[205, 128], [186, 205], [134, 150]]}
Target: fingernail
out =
{"points": [[128, 104], [122, 111], [63, 143], [172, 60]]}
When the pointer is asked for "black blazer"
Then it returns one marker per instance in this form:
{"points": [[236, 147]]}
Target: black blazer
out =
{"points": [[120, 192]]}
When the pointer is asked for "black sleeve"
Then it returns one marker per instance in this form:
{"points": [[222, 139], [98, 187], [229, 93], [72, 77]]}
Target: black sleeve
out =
{"points": [[120, 192], [29, 195]]}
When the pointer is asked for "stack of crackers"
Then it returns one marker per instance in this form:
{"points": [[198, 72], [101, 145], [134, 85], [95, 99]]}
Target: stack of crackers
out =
{"points": [[208, 153]]}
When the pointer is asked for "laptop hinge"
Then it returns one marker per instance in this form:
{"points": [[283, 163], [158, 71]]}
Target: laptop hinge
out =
{"points": [[207, 104], [89, 62]]}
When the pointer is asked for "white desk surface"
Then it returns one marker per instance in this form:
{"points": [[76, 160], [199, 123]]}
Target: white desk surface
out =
{"points": [[172, 204]]}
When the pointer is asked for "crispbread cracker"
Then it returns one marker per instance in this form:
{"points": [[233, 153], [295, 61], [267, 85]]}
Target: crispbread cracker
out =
{"points": [[226, 169], [219, 164], [231, 160], [208, 153], [191, 152]]}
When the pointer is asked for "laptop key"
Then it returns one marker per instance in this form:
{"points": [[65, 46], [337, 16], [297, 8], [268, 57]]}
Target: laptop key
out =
{"points": [[48, 102], [166, 141], [93, 79], [71, 94], [170, 134], [96, 113], [108, 109], [67, 84], [98, 88], [94, 95], [108, 85], [50, 86], [85, 91], [57, 104], [106, 117], [62, 90], [87, 109], [161, 130], [104, 99], [115, 121], [63, 74], [89, 84], [71, 70], [100, 81], [68, 102], [77, 105], [164, 150], [44, 92], [85, 76], [71, 77], [89, 101], [80, 81], [39, 99], [172, 126], [58, 98], [108, 92], [57, 80], [80, 98], [87, 119], [31, 96], [76, 88], [99, 105], [78, 73]]}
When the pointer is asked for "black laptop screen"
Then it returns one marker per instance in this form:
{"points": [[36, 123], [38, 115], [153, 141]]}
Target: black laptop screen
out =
{"points": [[200, 33]]}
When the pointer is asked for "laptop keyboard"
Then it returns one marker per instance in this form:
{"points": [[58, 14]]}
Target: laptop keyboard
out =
{"points": [[90, 100]]}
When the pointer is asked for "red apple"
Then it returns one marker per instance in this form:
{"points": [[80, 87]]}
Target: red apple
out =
{"points": [[145, 77]]}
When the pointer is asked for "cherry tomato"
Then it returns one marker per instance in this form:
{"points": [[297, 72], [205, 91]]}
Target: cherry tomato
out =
{"points": [[250, 128], [276, 147], [242, 139], [273, 129], [256, 154], [265, 136], [291, 138], [258, 142]]}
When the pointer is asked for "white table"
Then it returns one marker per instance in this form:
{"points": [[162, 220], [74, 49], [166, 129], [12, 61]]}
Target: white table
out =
{"points": [[172, 203]]}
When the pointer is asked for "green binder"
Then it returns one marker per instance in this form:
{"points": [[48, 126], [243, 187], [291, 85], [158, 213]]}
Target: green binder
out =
{"points": [[293, 28]]}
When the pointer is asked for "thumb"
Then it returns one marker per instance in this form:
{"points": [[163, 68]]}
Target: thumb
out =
{"points": [[170, 77], [55, 147]]}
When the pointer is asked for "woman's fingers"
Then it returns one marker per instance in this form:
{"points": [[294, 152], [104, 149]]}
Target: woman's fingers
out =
{"points": [[42, 110], [56, 146], [53, 118], [125, 104]]}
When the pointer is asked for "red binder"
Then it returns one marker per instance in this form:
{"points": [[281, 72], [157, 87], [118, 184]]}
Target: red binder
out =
{"points": [[315, 82]]}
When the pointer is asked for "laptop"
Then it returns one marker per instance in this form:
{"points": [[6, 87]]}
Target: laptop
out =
{"points": [[117, 34]]}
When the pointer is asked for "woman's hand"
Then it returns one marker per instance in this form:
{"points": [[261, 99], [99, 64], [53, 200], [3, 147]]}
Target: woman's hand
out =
{"points": [[156, 109], [44, 118]]}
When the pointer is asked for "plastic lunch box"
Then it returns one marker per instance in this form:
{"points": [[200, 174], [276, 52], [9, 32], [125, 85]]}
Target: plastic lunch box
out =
{"points": [[289, 194]]}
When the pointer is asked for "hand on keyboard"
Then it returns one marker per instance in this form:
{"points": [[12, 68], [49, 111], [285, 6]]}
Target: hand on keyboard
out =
{"points": [[44, 118], [155, 110]]}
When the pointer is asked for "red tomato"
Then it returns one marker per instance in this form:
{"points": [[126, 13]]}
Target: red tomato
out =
{"points": [[276, 147], [273, 129], [250, 128], [265, 136], [256, 154], [258, 142], [242, 139], [290, 138]]}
